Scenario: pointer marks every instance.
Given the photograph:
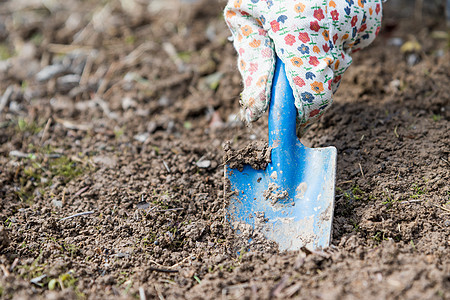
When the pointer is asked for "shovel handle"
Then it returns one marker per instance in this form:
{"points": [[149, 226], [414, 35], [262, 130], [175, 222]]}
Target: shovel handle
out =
{"points": [[282, 111]]}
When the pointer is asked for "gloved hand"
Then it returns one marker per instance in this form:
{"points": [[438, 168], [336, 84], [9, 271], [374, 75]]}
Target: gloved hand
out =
{"points": [[313, 38]]}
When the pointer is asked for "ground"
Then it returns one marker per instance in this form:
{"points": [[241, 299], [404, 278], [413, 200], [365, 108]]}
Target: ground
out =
{"points": [[118, 111]]}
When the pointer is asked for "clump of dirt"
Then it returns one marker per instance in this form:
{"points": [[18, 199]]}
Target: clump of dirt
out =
{"points": [[256, 154], [273, 193], [4, 238], [251, 238]]}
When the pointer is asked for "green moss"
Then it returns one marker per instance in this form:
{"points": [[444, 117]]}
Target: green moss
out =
{"points": [[31, 127], [41, 168], [418, 191], [118, 132], [436, 118], [379, 237], [130, 40], [185, 56], [65, 281], [37, 39], [5, 52]]}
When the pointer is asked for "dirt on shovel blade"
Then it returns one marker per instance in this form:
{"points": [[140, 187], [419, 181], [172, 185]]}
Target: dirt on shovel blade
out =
{"points": [[256, 154], [113, 119]]}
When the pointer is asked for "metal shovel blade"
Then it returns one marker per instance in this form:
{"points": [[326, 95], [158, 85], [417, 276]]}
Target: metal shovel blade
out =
{"points": [[295, 193]]}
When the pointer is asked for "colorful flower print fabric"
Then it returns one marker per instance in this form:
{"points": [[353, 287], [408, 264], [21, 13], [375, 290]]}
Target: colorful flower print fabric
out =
{"points": [[313, 38]]}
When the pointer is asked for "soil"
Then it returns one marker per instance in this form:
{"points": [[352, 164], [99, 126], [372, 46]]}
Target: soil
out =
{"points": [[113, 119], [256, 154]]}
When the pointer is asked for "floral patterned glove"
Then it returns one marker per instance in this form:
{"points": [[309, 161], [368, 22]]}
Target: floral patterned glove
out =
{"points": [[313, 38]]}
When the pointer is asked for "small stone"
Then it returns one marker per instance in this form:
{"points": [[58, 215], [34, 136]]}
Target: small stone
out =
{"points": [[128, 102], [142, 137], [105, 160], [50, 72], [143, 205], [68, 82], [203, 164], [164, 101], [57, 203], [19, 154]]}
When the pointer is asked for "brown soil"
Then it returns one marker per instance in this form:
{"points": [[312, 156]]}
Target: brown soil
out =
{"points": [[116, 115], [255, 154]]}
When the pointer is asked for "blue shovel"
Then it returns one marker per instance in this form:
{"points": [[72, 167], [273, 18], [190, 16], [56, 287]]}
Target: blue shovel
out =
{"points": [[295, 193]]}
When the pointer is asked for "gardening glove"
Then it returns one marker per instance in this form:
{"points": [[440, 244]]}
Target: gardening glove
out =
{"points": [[314, 39]]}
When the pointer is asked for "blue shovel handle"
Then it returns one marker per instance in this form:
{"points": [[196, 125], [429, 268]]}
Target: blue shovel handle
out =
{"points": [[282, 111], [282, 128]]}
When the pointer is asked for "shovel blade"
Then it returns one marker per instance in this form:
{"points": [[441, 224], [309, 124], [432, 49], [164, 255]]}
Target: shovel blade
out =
{"points": [[297, 215], [292, 201]]}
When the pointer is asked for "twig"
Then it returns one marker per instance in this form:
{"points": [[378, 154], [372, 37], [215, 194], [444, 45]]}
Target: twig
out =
{"points": [[72, 125], [171, 267], [142, 293], [105, 107], [170, 209], [179, 263], [165, 165], [172, 52], [275, 292], [133, 58], [443, 208], [81, 191], [5, 98], [14, 264], [446, 161], [290, 291], [44, 133], [64, 49], [167, 281], [63, 198], [106, 79], [87, 69], [411, 201], [5, 270], [158, 264], [78, 215], [343, 182], [226, 289], [362, 173], [162, 270], [160, 296], [230, 158]]}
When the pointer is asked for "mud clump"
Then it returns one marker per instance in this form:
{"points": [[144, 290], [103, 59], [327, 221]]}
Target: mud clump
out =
{"points": [[256, 154], [4, 238], [251, 237], [273, 194]]}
